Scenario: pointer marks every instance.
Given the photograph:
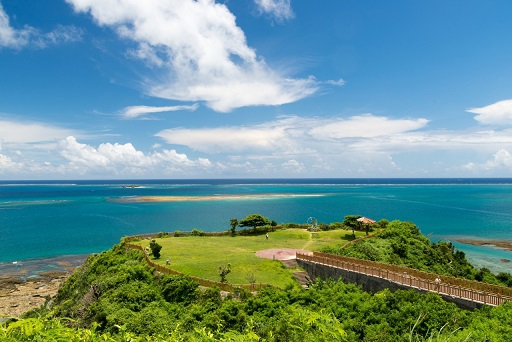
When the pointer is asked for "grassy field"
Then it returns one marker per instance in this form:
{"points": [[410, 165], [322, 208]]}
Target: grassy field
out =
{"points": [[201, 256]]}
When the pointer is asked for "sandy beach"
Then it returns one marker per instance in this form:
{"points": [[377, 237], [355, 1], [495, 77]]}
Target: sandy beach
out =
{"points": [[140, 199]]}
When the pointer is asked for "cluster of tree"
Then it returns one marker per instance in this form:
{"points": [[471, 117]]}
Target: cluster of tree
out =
{"points": [[403, 244], [261, 224], [116, 297], [254, 221]]}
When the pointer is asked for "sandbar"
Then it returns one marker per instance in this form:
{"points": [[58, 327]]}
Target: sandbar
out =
{"points": [[139, 199], [488, 243]]}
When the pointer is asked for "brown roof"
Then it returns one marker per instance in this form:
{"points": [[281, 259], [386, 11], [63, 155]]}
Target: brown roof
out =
{"points": [[365, 220]]}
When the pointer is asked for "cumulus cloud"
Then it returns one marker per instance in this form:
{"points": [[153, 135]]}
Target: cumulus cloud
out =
{"points": [[133, 112], [501, 160], [279, 9], [499, 113], [5, 161], [125, 158], [201, 52], [29, 36], [293, 166]]}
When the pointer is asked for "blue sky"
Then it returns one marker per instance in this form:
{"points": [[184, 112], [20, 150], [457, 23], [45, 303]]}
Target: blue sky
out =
{"points": [[99, 89]]}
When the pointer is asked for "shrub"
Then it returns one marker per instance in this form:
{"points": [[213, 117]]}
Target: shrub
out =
{"points": [[196, 232], [155, 249]]}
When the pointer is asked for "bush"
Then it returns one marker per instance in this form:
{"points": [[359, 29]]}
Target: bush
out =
{"points": [[155, 249], [196, 232]]}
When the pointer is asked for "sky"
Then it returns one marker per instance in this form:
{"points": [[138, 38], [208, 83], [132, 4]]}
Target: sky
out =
{"points": [[164, 89]]}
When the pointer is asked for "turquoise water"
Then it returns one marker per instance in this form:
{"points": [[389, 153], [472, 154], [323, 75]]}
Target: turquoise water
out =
{"points": [[50, 219]]}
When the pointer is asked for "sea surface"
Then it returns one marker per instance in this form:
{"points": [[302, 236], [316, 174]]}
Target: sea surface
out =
{"points": [[48, 220]]}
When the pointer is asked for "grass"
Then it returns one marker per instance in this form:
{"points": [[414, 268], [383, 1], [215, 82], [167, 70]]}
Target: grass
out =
{"points": [[201, 256]]}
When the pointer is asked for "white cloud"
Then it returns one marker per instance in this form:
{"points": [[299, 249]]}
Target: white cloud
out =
{"points": [[5, 161], [279, 9], [29, 36], [337, 83], [289, 135], [31, 132], [138, 111], [499, 113], [125, 159], [365, 126], [293, 166], [202, 53], [501, 160], [228, 139]]}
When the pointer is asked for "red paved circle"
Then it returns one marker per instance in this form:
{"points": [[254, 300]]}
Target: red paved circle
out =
{"points": [[281, 253]]}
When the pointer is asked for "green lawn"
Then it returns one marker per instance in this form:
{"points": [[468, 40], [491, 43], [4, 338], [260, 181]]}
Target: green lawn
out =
{"points": [[201, 256]]}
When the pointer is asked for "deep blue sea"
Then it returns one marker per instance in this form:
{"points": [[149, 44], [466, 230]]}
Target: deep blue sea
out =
{"points": [[48, 219]]}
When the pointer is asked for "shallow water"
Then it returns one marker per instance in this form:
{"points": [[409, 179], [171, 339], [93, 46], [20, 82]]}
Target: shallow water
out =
{"points": [[51, 219]]}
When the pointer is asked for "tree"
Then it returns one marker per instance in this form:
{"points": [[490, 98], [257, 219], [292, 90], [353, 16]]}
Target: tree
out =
{"points": [[155, 249], [224, 270], [352, 222], [233, 223], [254, 220]]}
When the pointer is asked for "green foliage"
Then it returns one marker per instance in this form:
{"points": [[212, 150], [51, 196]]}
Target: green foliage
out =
{"points": [[224, 270], [402, 243], [233, 223], [155, 249], [352, 222], [254, 220], [115, 296], [197, 232], [178, 289]]}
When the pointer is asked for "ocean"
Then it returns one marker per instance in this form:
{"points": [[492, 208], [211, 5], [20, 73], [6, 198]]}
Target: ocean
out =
{"points": [[44, 221]]}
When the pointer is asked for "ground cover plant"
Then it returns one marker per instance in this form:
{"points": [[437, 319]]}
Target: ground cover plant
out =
{"points": [[402, 243], [116, 296], [201, 256]]}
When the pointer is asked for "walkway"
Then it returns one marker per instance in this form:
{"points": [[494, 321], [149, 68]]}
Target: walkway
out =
{"points": [[469, 290]]}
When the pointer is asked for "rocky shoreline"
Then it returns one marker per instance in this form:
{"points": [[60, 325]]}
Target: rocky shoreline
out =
{"points": [[18, 295], [490, 243], [29, 284]]}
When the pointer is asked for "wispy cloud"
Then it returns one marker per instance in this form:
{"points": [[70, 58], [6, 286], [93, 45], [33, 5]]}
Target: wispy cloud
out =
{"points": [[201, 53], [31, 37], [499, 113], [278, 9], [337, 83], [290, 135], [18, 132], [133, 112]]}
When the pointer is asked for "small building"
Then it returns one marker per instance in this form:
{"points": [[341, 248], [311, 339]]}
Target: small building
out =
{"points": [[365, 220]]}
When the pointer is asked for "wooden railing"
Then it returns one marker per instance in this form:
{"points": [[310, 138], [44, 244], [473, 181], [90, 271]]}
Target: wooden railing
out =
{"points": [[463, 288], [201, 281]]}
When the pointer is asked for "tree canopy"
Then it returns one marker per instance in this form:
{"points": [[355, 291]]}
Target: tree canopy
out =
{"points": [[254, 220]]}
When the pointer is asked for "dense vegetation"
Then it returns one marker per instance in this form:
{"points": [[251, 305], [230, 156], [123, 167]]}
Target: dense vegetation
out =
{"points": [[116, 296], [402, 243]]}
